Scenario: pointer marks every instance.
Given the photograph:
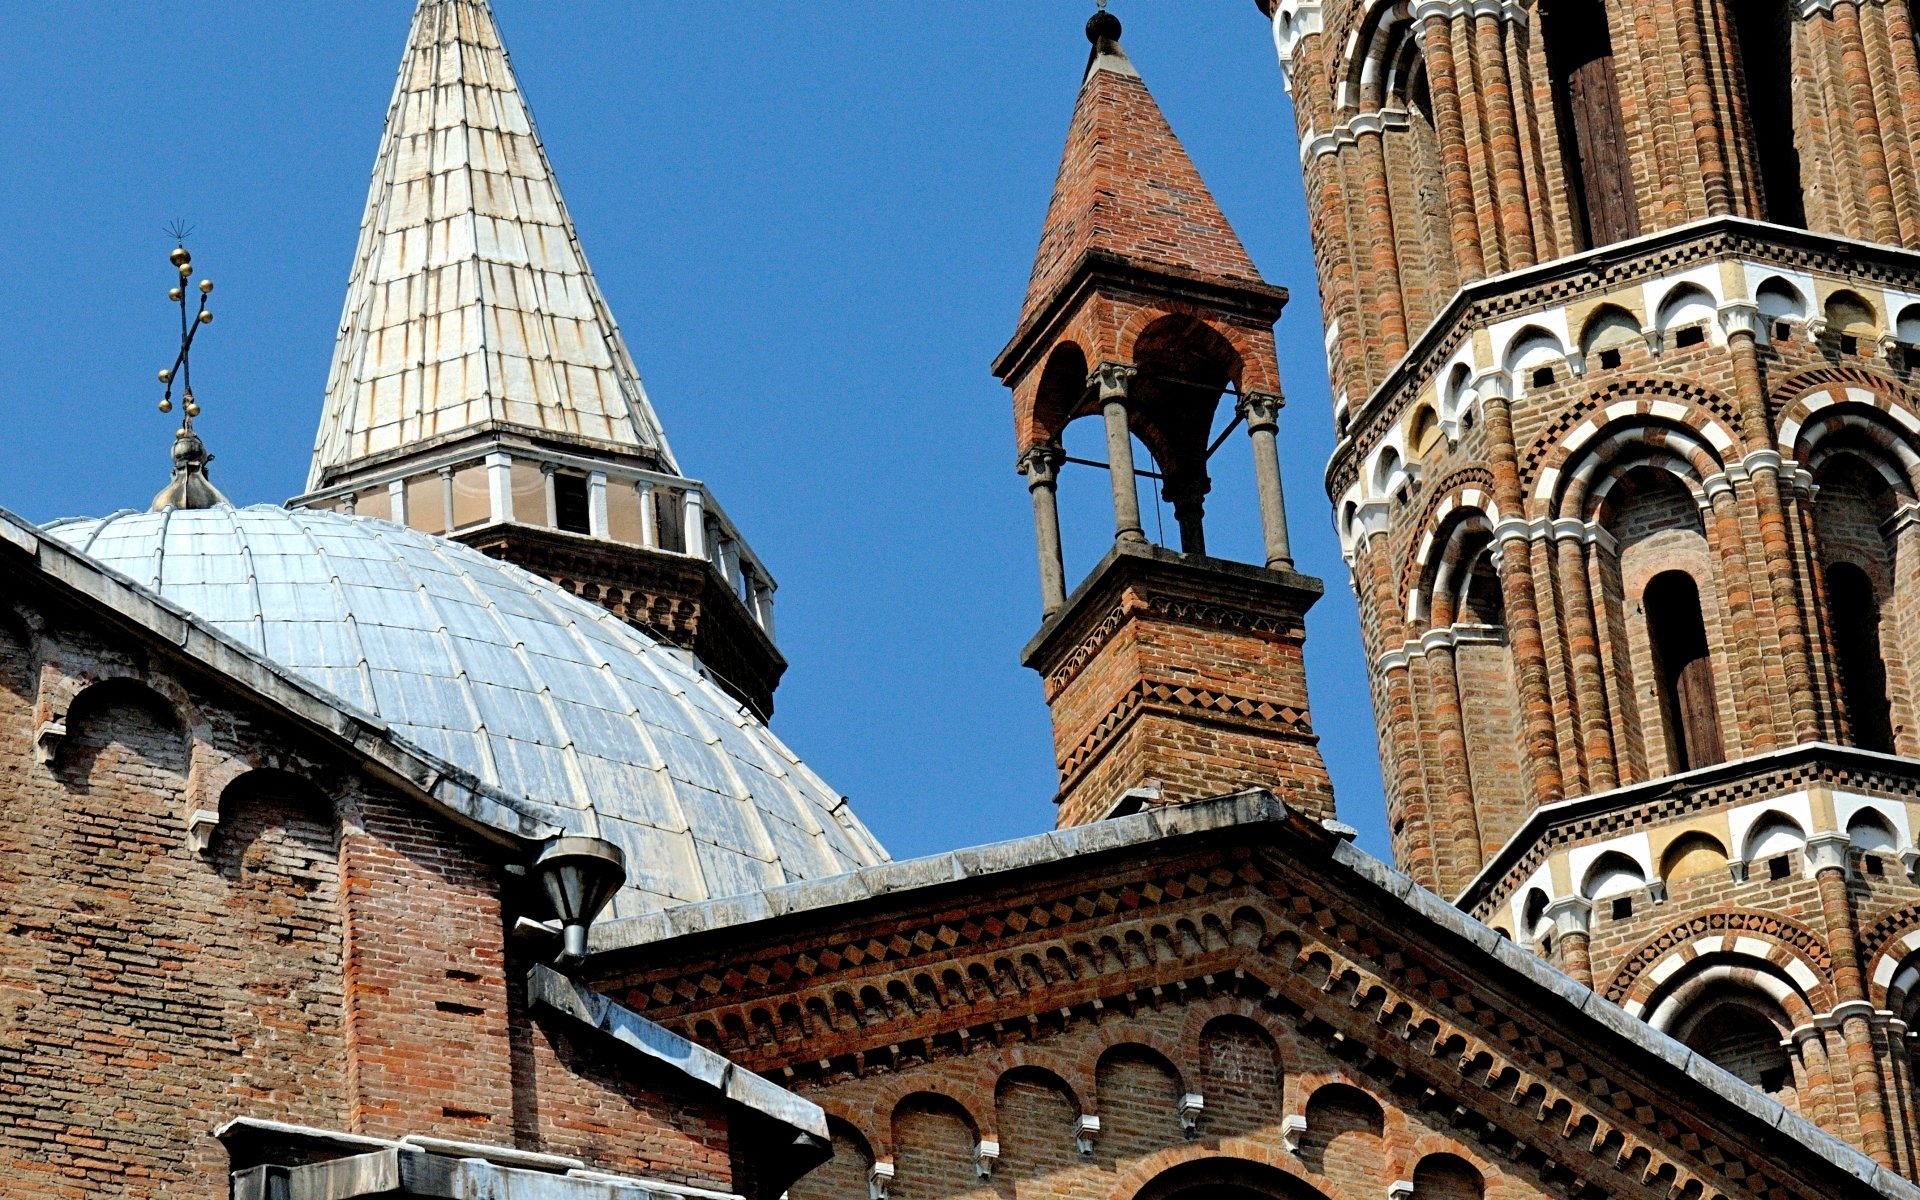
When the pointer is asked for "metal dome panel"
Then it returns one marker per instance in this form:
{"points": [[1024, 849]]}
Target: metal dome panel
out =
{"points": [[538, 693]]}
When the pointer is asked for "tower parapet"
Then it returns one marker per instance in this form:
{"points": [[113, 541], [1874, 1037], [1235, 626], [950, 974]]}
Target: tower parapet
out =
{"points": [[1172, 675]]}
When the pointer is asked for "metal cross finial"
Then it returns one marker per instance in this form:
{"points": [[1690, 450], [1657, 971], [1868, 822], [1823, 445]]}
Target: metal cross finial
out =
{"points": [[190, 323]]}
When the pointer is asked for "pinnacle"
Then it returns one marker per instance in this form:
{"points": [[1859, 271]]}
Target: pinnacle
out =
{"points": [[471, 305], [1127, 189]]}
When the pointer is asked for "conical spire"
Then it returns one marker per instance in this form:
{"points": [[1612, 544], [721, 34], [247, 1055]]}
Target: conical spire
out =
{"points": [[1126, 188], [471, 306]]}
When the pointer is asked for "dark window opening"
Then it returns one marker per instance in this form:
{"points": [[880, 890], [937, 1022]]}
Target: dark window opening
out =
{"points": [[1874, 864], [1779, 867], [1623, 908], [570, 503], [1856, 644], [1782, 331], [1763, 37], [1692, 335], [1849, 344], [1542, 377], [1609, 359], [1910, 356], [1736, 1037], [1684, 670], [1593, 138]]}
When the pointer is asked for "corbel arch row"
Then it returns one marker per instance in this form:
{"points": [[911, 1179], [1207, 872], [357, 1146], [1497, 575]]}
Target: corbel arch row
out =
{"points": [[214, 763], [1620, 446], [1791, 949], [1712, 416]]}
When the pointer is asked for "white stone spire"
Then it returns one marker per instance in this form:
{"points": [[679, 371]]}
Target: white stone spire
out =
{"points": [[471, 309]]}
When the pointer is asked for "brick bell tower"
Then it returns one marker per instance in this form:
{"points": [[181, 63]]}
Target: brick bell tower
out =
{"points": [[1623, 321], [1171, 675]]}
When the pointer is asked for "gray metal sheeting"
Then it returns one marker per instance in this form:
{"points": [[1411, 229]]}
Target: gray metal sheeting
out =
{"points": [[535, 691]]}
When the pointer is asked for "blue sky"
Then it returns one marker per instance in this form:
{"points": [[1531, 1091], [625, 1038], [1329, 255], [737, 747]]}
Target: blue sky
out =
{"points": [[813, 221]]}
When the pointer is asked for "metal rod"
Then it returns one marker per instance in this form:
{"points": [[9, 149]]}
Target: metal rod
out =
{"points": [[1089, 462], [1224, 435]]}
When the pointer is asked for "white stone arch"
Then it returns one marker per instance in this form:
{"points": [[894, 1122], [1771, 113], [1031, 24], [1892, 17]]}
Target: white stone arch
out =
{"points": [[1684, 306], [1847, 807]]}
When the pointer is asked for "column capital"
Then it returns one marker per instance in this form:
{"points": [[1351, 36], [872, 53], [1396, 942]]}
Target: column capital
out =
{"points": [[1113, 379], [1570, 914], [1041, 464], [1261, 409], [1740, 316]]}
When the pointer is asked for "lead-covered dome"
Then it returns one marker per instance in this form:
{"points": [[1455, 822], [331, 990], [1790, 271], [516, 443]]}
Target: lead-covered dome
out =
{"points": [[535, 691]]}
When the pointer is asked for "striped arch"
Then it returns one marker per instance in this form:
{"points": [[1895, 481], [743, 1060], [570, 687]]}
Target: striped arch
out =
{"points": [[1680, 405], [1379, 58], [1469, 489], [1810, 422], [1434, 600], [1894, 966], [1592, 465], [1788, 965]]}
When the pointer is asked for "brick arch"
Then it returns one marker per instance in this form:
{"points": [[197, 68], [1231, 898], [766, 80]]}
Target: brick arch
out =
{"points": [[1889, 424], [1406, 1160], [1592, 467], [1382, 39], [1470, 488], [1200, 1014], [1110, 1039], [1677, 400], [1136, 1179], [860, 1119], [1893, 962], [1657, 961], [1055, 1071], [895, 1097], [1253, 372]]}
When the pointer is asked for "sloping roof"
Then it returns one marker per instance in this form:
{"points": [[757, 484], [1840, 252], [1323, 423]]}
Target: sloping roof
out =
{"points": [[540, 695], [1517, 979], [470, 302], [1126, 188]]}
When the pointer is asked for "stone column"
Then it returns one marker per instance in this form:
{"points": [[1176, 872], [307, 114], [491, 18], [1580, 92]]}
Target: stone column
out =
{"points": [[397, 501], [1709, 142], [1754, 728], [446, 498], [763, 604], [1443, 83], [1583, 655], [553, 501], [695, 518], [1872, 161], [1262, 413], [1512, 543], [1572, 917], [1041, 466], [1503, 138], [500, 486], [1827, 858], [1382, 258], [1114, 381], [597, 503], [649, 514]]}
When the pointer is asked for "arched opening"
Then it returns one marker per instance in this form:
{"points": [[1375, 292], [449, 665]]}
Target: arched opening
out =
{"points": [[1741, 1033], [1856, 648], [1871, 833], [1683, 671], [1215, 1178], [1763, 42], [1593, 136], [1447, 1177], [1692, 855], [1609, 331], [1781, 308]]}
